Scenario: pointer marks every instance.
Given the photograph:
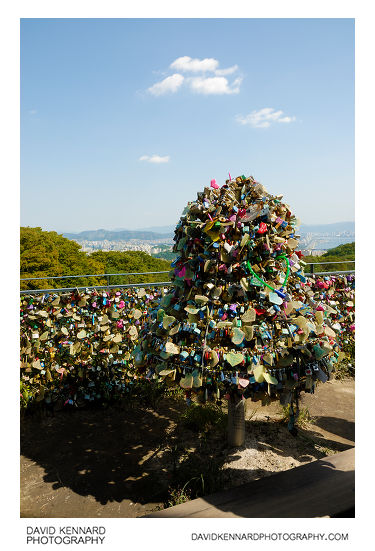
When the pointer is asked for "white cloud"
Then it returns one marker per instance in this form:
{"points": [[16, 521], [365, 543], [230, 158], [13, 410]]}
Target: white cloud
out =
{"points": [[214, 85], [155, 159], [264, 118], [168, 85], [33, 112], [208, 64], [203, 83], [287, 119], [229, 71], [186, 63]]}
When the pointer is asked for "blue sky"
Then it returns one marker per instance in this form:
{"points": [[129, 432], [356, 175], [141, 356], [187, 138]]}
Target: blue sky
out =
{"points": [[123, 121]]}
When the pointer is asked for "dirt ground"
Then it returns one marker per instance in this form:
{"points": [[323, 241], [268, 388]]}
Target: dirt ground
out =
{"points": [[122, 463]]}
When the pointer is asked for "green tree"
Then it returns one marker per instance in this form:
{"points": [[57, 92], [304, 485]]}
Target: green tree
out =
{"points": [[165, 255], [132, 261], [346, 251], [47, 253], [341, 253]]}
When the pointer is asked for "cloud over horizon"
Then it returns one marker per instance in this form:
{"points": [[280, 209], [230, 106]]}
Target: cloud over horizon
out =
{"points": [[215, 83], [155, 159], [264, 118]]}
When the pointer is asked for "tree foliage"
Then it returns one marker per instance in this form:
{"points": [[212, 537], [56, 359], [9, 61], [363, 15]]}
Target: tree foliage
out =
{"points": [[132, 261], [166, 255], [341, 253], [346, 251], [47, 253]]}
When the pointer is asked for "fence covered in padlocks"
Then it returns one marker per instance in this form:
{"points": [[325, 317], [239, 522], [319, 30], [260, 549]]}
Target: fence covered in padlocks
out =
{"points": [[78, 347], [240, 318], [73, 349]]}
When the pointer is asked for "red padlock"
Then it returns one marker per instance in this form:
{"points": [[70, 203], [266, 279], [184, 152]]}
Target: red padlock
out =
{"points": [[262, 228]]}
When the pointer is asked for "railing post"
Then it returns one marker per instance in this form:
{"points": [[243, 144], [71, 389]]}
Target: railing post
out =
{"points": [[312, 267], [236, 421], [108, 280]]}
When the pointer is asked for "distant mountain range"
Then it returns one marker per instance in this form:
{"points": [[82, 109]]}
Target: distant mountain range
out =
{"points": [[165, 232], [337, 227], [124, 235], [155, 229]]}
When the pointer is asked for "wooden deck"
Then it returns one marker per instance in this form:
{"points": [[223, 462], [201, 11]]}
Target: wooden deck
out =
{"points": [[321, 488]]}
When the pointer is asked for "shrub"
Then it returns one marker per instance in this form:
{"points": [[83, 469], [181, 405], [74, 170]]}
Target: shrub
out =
{"points": [[201, 418]]}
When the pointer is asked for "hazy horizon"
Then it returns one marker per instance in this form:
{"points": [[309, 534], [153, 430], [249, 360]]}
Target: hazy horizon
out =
{"points": [[157, 229]]}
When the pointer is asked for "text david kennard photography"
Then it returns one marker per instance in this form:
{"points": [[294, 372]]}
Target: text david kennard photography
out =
{"points": [[65, 534]]}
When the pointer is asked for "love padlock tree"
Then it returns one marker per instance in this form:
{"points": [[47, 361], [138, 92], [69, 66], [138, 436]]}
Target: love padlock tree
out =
{"points": [[241, 320]]}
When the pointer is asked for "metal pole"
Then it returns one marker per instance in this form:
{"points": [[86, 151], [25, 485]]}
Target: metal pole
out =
{"points": [[236, 421]]}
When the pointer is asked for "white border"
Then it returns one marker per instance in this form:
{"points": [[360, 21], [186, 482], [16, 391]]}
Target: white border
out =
{"points": [[167, 534]]}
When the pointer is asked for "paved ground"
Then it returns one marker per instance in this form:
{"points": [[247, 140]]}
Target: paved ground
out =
{"points": [[100, 464], [331, 406], [322, 488]]}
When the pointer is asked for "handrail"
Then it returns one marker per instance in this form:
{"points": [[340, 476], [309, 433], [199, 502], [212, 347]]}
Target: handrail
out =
{"points": [[152, 273], [70, 289], [332, 262], [145, 284], [329, 273]]}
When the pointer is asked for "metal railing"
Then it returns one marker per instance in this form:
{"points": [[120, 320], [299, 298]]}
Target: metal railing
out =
{"points": [[162, 272], [148, 284], [96, 287], [92, 275], [321, 263]]}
